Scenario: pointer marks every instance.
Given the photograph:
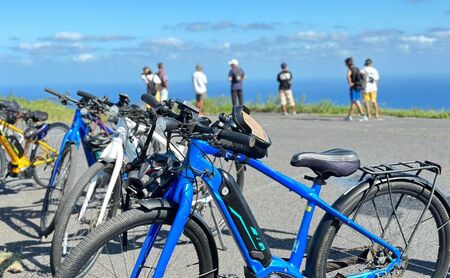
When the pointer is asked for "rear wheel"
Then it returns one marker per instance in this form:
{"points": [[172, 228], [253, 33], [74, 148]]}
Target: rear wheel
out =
{"points": [[338, 249], [113, 247], [79, 213], [54, 194], [54, 137]]}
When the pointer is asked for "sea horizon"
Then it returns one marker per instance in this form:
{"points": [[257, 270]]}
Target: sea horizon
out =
{"points": [[397, 92]]}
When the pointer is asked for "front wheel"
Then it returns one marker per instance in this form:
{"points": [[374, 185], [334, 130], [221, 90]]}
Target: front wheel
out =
{"points": [[62, 184], [79, 213], [112, 248], [339, 250], [54, 137]]}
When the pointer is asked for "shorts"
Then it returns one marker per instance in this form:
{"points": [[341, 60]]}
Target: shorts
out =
{"points": [[199, 97], [355, 95], [370, 96], [286, 95]]}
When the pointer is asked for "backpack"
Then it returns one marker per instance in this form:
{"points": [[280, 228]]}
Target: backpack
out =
{"points": [[152, 87], [359, 79]]}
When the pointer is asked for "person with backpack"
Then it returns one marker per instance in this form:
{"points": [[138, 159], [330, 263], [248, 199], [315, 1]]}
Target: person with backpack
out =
{"points": [[285, 89], [235, 76], [152, 81], [356, 82], [164, 82], [370, 91]]}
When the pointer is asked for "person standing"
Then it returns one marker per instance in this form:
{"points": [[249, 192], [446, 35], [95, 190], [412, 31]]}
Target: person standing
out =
{"points": [[285, 89], [356, 80], [152, 81], [164, 82], [235, 77], [199, 82], [370, 92]]}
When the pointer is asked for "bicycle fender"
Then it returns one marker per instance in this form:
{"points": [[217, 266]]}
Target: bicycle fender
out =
{"points": [[151, 204]]}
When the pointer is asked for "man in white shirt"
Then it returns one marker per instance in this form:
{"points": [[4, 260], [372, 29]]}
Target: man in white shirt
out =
{"points": [[370, 92], [153, 82], [199, 82]]}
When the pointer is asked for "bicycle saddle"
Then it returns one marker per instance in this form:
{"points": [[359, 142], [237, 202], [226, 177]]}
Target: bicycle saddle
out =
{"points": [[39, 116], [335, 162]]}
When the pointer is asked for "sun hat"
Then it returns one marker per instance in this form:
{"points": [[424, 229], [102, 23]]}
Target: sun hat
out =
{"points": [[233, 62]]}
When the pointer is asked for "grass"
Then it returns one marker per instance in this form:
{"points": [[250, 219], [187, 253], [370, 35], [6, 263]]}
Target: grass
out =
{"points": [[217, 105], [56, 111]]}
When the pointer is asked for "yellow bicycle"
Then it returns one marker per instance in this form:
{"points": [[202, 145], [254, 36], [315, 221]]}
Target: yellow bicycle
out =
{"points": [[32, 150]]}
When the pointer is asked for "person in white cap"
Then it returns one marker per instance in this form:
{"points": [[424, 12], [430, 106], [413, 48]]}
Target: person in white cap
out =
{"points": [[235, 76]]}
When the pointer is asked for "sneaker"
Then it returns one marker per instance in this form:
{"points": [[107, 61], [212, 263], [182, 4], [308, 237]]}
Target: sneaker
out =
{"points": [[285, 113], [294, 113], [348, 118], [364, 118]]}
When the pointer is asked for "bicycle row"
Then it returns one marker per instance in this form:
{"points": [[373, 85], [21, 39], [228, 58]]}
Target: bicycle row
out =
{"points": [[164, 183]]}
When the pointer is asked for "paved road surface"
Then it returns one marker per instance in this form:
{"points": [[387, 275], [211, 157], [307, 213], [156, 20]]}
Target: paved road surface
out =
{"points": [[277, 210]]}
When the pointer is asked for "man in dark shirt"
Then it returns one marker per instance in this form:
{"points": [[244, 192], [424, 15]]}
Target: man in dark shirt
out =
{"points": [[285, 89], [235, 76], [354, 80]]}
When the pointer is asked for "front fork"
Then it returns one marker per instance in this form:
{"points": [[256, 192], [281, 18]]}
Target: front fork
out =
{"points": [[182, 193]]}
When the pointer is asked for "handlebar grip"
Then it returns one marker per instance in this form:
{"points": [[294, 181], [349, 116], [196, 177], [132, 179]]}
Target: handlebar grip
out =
{"points": [[53, 92], [85, 95], [167, 123], [150, 100], [203, 129], [237, 137]]}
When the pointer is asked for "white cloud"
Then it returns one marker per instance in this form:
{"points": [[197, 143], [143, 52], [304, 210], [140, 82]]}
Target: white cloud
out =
{"points": [[68, 36], [34, 46], [405, 48], [375, 39], [83, 58], [419, 39], [170, 41], [309, 36]]}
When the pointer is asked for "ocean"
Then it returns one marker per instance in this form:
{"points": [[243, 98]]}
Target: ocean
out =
{"points": [[403, 92]]}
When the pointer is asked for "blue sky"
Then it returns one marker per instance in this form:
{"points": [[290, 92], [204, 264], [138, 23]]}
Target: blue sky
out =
{"points": [[45, 42]]}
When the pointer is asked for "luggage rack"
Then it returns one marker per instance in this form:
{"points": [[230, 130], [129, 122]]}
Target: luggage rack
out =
{"points": [[387, 169]]}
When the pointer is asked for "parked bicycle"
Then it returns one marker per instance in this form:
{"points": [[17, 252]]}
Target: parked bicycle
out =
{"points": [[108, 186], [32, 152], [87, 118], [375, 229]]}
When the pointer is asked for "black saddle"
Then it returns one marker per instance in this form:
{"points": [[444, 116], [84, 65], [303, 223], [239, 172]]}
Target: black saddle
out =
{"points": [[335, 162], [38, 116]]}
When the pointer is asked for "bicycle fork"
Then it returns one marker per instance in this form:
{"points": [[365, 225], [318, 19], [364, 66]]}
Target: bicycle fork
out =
{"points": [[182, 193]]}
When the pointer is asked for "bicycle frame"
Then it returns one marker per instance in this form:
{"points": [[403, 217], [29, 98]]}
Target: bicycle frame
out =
{"points": [[21, 162], [182, 193], [77, 134]]}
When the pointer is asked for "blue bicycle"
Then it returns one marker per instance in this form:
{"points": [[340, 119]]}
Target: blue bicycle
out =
{"points": [[61, 181], [393, 223]]}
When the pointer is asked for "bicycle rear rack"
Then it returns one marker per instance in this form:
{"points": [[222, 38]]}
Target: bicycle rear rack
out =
{"points": [[388, 169]]}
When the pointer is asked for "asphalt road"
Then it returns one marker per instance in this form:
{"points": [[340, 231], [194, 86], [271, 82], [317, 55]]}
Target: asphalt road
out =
{"points": [[277, 210]]}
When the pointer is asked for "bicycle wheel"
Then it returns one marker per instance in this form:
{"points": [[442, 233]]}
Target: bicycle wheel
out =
{"points": [[3, 164], [54, 137], [336, 248], [54, 195], [113, 247], [76, 219]]}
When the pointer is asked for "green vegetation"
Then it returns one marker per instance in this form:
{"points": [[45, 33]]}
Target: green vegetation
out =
{"points": [[325, 107], [56, 111], [216, 105]]}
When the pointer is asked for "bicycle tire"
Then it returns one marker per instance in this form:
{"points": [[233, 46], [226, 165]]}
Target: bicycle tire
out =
{"points": [[3, 164], [37, 175], [101, 235], [47, 223], [328, 231], [72, 202]]}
